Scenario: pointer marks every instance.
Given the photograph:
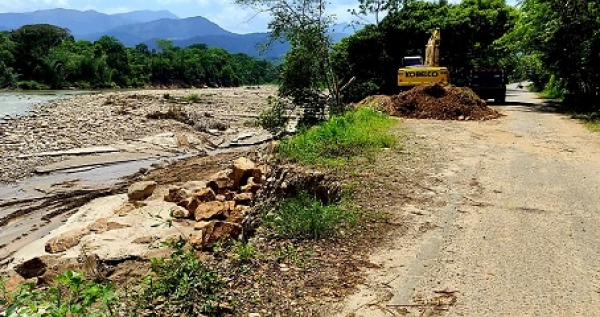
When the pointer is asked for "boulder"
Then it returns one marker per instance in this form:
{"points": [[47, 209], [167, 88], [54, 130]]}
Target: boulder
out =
{"points": [[31, 268], [179, 212], [219, 230], [103, 225], [251, 186], [205, 195], [236, 216], [243, 168], [177, 194], [212, 210], [141, 190], [196, 240], [221, 180], [66, 240], [243, 198], [190, 204]]}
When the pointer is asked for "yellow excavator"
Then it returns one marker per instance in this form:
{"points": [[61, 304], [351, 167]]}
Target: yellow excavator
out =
{"points": [[414, 72]]}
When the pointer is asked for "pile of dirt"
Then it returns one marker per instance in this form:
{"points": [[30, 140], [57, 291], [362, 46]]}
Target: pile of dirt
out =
{"points": [[436, 101]]}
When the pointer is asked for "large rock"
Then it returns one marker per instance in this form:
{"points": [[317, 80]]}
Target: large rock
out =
{"points": [[221, 180], [196, 240], [243, 198], [211, 211], [141, 190], [177, 194], [205, 195], [103, 225], [31, 268], [216, 231], [243, 169], [66, 240], [190, 204], [251, 186]]}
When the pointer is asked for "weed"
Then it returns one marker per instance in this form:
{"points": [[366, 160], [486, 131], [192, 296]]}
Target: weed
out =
{"points": [[193, 98], [182, 285], [306, 217], [243, 252], [337, 141], [72, 296], [167, 97]]}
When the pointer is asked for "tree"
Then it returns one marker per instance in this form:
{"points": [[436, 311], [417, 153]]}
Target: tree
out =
{"points": [[307, 68], [34, 44]]}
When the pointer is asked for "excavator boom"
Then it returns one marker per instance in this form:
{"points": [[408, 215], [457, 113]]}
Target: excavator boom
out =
{"points": [[432, 50]]}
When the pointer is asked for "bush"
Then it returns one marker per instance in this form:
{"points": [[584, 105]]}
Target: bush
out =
{"points": [[193, 98], [306, 217], [273, 119], [182, 284], [73, 296], [337, 141], [31, 85]]}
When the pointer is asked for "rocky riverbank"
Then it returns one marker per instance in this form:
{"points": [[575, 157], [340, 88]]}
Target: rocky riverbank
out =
{"points": [[123, 117]]}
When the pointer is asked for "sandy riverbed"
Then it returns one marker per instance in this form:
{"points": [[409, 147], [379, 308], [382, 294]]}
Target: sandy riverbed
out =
{"points": [[107, 118]]}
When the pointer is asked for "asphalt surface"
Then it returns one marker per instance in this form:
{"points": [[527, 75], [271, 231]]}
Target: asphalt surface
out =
{"points": [[516, 222]]}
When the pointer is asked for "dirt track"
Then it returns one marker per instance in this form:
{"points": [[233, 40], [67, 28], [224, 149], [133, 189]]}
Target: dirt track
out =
{"points": [[514, 207]]}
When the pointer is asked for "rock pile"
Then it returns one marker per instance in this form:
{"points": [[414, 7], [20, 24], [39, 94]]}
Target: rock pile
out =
{"points": [[435, 101], [219, 205]]}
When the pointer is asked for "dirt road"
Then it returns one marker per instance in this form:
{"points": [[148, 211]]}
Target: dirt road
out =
{"points": [[514, 205]]}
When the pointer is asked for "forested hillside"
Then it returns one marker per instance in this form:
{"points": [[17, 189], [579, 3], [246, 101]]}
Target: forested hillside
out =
{"points": [[46, 56]]}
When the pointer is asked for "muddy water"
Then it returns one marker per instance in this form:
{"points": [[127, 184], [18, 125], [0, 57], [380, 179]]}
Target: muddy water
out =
{"points": [[19, 103]]}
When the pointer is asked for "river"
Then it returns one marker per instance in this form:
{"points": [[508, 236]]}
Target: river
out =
{"points": [[19, 103]]}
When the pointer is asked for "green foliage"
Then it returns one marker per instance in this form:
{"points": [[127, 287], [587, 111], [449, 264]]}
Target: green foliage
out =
{"points": [[306, 217], [193, 98], [182, 284], [31, 85], [274, 118], [307, 76], [335, 142], [243, 252], [50, 56], [564, 37], [469, 32], [72, 296]]}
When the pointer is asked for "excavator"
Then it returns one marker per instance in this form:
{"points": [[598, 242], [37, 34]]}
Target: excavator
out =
{"points": [[414, 72]]}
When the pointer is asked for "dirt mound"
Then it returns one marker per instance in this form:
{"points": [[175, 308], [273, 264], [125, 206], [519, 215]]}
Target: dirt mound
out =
{"points": [[441, 102]]}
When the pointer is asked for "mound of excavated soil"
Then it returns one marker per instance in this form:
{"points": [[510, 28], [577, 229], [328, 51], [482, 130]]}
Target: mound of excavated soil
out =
{"points": [[436, 101]]}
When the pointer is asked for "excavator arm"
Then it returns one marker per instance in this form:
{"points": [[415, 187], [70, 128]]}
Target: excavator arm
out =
{"points": [[432, 50]]}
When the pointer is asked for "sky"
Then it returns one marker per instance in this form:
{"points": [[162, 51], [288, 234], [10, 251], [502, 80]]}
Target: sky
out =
{"points": [[225, 13]]}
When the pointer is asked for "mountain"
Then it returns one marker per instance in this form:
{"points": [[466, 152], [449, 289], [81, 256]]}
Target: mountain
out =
{"points": [[147, 27], [79, 22], [169, 29], [249, 44], [146, 15]]}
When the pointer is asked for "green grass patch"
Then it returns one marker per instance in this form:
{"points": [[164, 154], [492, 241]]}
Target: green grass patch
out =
{"points": [[306, 217], [336, 142], [592, 125]]}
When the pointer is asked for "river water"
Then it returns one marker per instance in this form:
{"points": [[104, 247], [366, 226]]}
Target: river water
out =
{"points": [[19, 103]]}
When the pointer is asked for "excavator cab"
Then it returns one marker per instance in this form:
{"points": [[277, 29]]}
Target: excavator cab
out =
{"points": [[409, 61]]}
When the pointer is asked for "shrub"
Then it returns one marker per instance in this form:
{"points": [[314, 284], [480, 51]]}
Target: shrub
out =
{"points": [[337, 141], [182, 284], [31, 85], [72, 296], [193, 98], [243, 252], [274, 118], [306, 217]]}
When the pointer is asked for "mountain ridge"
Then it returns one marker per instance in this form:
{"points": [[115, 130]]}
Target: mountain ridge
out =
{"points": [[146, 26]]}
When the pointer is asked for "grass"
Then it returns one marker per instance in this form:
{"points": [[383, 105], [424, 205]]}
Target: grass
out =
{"points": [[243, 252], [336, 142], [304, 216]]}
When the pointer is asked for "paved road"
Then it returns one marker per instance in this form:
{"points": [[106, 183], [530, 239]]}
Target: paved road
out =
{"points": [[517, 222]]}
